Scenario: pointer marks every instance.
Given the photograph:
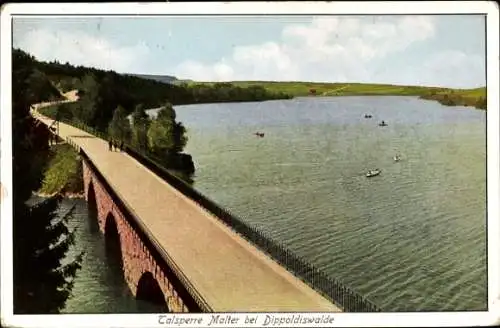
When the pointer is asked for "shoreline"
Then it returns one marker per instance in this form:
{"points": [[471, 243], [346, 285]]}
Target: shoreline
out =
{"points": [[67, 195], [440, 101]]}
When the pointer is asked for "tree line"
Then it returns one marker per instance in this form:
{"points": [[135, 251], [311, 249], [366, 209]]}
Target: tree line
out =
{"points": [[106, 98], [104, 91]]}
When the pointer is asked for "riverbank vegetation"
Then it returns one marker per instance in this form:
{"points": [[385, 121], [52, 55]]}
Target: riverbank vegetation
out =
{"points": [[446, 96], [42, 274], [450, 97], [63, 173]]}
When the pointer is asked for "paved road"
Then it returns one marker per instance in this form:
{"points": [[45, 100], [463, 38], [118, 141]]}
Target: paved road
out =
{"points": [[229, 272]]}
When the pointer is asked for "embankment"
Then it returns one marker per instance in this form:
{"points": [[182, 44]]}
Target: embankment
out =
{"points": [[63, 173]]}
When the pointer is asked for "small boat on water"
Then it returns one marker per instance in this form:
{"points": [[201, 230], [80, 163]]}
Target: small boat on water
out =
{"points": [[397, 158], [259, 134], [382, 123], [368, 116], [373, 173]]}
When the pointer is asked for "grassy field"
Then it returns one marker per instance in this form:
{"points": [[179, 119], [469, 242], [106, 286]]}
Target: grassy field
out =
{"points": [[63, 171], [462, 97]]}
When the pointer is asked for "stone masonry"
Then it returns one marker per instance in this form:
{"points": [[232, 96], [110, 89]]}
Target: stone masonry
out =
{"points": [[136, 258]]}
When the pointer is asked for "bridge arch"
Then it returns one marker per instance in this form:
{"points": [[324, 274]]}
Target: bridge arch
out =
{"points": [[92, 208], [112, 241], [149, 290]]}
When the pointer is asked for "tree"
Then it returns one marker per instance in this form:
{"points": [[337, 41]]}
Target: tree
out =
{"points": [[166, 137], [87, 107], [119, 127], [180, 137], [40, 242], [141, 123]]}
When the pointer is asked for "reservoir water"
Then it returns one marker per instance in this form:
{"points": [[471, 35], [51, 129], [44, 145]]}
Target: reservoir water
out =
{"points": [[411, 239]]}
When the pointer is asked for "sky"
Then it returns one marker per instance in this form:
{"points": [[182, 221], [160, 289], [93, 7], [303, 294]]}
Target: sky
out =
{"points": [[446, 51]]}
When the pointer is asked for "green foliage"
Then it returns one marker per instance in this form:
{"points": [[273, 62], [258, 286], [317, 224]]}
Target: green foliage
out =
{"points": [[119, 127], [40, 242], [87, 106], [451, 97], [167, 139], [31, 85], [140, 123], [161, 133], [64, 171], [481, 103]]}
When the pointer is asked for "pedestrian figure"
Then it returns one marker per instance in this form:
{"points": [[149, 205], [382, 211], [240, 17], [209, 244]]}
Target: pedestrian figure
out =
{"points": [[121, 145], [110, 144], [115, 145]]}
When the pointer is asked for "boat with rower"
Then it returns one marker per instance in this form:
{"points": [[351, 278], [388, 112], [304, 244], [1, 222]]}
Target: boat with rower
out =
{"points": [[373, 173]]}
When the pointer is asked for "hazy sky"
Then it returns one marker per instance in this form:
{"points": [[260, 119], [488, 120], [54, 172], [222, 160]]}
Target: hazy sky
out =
{"points": [[417, 50]]}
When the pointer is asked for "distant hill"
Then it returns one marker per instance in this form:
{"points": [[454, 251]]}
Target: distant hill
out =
{"points": [[159, 78]]}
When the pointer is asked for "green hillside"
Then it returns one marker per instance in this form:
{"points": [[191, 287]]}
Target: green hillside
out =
{"points": [[462, 97]]}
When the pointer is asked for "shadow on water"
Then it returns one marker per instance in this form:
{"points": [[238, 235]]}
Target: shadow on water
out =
{"points": [[93, 222], [149, 290], [113, 250], [150, 298]]}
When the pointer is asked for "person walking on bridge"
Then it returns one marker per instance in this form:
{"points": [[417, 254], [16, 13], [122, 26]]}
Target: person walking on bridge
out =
{"points": [[110, 144], [121, 145]]}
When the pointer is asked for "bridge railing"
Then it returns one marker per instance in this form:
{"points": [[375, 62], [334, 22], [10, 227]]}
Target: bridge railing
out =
{"points": [[189, 295], [331, 288]]}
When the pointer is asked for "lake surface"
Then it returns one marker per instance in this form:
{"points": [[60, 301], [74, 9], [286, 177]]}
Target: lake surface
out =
{"points": [[410, 239]]}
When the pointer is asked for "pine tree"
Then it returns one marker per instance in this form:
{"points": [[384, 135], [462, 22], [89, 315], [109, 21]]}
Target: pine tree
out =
{"points": [[42, 283]]}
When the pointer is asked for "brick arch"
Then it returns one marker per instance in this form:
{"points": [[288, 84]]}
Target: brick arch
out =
{"points": [[148, 289], [112, 241], [135, 256]]}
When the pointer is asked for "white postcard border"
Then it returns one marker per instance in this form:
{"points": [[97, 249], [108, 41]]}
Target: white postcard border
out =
{"points": [[292, 8]]}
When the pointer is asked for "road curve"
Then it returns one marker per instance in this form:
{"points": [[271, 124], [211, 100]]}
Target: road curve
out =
{"points": [[231, 274]]}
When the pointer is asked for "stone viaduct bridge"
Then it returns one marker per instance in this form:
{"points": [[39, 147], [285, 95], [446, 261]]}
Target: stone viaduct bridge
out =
{"points": [[173, 251]]}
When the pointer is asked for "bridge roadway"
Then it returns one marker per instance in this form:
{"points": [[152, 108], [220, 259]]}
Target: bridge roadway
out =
{"points": [[228, 272]]}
